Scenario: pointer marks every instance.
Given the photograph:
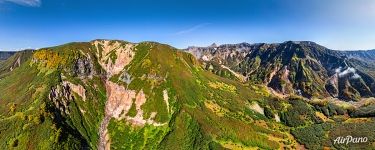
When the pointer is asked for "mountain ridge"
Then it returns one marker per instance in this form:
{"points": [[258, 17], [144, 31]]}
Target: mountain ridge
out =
{"points": [[317, 62], [113, 94]]}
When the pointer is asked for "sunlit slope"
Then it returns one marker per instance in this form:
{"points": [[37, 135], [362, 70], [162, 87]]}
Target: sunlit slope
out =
{"points": [[110, 94]]}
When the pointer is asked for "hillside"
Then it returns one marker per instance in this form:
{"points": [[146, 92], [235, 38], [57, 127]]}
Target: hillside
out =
{"points": [[294, 68], [111, 94], [368, 55], [5, 55]]}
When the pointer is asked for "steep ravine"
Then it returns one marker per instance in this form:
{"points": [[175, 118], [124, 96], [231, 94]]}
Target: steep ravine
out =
{"points": [[116, 103], [104, 143], [119, 100]]}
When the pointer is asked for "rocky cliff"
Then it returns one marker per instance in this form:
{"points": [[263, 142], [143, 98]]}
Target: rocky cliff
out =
{"points": [[292, 68]]}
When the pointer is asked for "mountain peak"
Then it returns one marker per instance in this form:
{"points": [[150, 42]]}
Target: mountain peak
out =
{"points": [[214, 45]]}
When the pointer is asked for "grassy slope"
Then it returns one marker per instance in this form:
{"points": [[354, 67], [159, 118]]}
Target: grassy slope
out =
{"points": [[206, 111], [26, 121], [36, 122], [193, 124]]}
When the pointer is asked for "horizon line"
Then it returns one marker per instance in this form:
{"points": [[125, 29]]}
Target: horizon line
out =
{"points": [[218, 45]]}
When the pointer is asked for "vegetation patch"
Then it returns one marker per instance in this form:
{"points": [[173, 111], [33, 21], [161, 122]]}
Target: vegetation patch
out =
{"points": [[222, 86]]}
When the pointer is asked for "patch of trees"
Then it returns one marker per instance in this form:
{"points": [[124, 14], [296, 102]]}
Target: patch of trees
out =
{"points": [[330, 109], [366, 111], [298, 114], [313, 137]]}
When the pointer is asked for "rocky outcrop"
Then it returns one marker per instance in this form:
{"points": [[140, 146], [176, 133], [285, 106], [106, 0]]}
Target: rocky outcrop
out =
{"points": [[119, 100], [118, 104], [83, 67], [78, 89], [166, 99], [16, 64], [61, 95], [104, 139], [114, 55], [256, 108]]}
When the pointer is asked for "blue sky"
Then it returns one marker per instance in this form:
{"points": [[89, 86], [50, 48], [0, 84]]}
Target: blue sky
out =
{"points": [[336, 24]]}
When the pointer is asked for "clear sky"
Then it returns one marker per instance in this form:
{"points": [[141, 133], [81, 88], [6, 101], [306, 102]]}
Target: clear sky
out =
{"points": [[336, 24]]}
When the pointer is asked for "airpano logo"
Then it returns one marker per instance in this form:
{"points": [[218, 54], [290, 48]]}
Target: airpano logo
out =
{"points": [[350, 139]]}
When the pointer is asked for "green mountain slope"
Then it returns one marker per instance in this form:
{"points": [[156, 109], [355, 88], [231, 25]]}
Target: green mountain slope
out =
{"points": [[293, 68], [5, 55], [110, 94]]}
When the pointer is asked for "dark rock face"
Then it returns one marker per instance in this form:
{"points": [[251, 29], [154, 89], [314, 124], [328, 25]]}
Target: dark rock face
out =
{"points": [[301, 68], [61, 96], [83, 67]]}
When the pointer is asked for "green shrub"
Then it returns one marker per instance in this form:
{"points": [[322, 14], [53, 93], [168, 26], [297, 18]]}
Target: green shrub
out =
{"points": [[312, 137], [299, 114]]}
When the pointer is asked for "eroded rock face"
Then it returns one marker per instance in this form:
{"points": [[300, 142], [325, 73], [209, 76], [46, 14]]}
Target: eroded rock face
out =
{"points": [[126, 77], [119, 100], [61, 95], [255, 107], [293, 68], [332, 85], [104, 139], [280, 81], [16, 64], [117, 106], [78, 89], [114, 55], [84, 67], [139, 119], [166, 99]]}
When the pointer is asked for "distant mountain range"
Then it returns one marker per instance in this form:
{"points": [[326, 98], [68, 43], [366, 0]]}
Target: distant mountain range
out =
{"points": [[367, 55], [5, 55], [302, 68]]}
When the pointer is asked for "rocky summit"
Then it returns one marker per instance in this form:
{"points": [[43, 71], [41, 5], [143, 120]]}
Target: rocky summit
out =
{"points": [[113, 94]]}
